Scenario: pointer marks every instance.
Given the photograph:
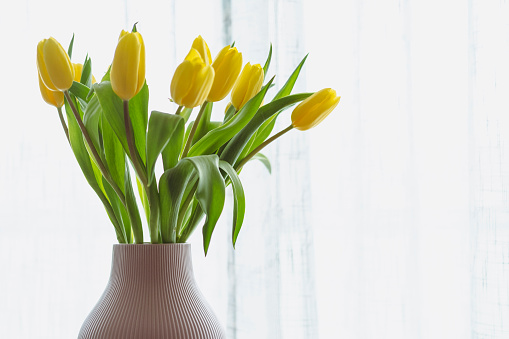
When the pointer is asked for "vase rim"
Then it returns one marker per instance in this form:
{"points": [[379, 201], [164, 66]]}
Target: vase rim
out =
{"points": [[155, 245]]}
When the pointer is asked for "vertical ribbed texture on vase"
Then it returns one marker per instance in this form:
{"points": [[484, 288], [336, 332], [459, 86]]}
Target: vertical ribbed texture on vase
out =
{"points": [[152, 294]]}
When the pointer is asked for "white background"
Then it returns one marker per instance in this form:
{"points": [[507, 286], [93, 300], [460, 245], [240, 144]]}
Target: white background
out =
{"points": [[389, 220]]}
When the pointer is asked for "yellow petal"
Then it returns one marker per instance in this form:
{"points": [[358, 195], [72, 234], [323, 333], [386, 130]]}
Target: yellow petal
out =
{"points": [[126, 65], [314, 109], [201, 46], [58, 65], [54, 98], [227, 67]]}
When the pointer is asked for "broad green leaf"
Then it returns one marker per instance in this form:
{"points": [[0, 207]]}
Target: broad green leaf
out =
{"points": [[83, 158], [80, 91], [161, 128], [240, 140], [288, 86], [171, 152], [138, 111], [264, 131], [172, 186], [217, 137], [132, 208], [210, 192], [113, 110], [267, 62], [239, 207], [91, 120], [202, 127], [264, 160], [114, 155]]}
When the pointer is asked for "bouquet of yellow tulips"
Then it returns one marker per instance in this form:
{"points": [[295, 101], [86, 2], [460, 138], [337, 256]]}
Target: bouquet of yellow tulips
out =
{"points": [[108, 127]]}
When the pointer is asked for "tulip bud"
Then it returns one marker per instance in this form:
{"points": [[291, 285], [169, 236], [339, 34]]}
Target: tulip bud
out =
{"points": [[78, 69], [54, 98], [314, 109], [227, 66], [127, 73], [201, 46], [54, 65], [247, 85], [192, 81]]}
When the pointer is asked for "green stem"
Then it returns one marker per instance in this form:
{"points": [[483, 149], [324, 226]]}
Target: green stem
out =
{"points": [[262, 145], [64, 126], [134, 156], [179, 110], [91, 146], [193, 130]]}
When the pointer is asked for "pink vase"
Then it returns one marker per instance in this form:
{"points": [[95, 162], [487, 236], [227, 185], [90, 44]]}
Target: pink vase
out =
{"points": [[151, 294]]}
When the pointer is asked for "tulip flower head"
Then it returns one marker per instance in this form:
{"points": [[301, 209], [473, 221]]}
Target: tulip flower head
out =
{"points": [[247, 85], [201, 46], [314, 109], [53, 98], [54, 65], [227, 66], [192, 81], [127, 74]]}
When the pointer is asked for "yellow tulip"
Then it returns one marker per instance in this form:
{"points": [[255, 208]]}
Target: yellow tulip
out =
{"points": [[227, 66], [54, 98], [54, 65], [314, 109], [201, 46], [192, 81], [127, 74], [78, 69], [247, 85]]}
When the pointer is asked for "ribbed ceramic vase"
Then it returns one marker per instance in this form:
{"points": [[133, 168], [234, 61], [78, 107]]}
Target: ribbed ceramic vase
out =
{"points": [[152, 294]]}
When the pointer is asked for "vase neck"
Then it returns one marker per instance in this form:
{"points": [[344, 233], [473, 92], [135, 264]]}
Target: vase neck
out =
{"points": [[151, 262]]}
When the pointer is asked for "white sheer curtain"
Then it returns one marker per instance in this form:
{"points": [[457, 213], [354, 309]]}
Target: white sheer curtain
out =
{"points": [[389, 220]]}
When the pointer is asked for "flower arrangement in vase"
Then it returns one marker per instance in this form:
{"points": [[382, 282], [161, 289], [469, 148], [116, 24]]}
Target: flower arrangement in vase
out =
{"points": [[110, 131]]}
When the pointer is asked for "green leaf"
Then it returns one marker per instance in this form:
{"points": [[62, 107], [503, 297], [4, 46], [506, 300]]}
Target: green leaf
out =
{"points": [[237, 144], [86, 73], [217, 137], [172, 186], [114, 155], [264, 160], [171, 152], [202, 127], [138, 112], [119, 211], [113, 110], [86, 165], [267, 62], [161, 128], [230, 112], [71, 44], [91, 120], [239, 207], [144, 199], [288, 86], [210, 192], [80, 91]]}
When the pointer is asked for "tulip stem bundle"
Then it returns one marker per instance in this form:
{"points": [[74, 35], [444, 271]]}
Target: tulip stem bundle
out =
{"points": [[108, 126]]}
